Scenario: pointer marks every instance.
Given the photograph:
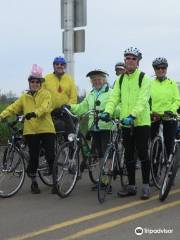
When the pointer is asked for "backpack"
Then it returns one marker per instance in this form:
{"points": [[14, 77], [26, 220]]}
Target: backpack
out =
{"points": [[141, 76]]}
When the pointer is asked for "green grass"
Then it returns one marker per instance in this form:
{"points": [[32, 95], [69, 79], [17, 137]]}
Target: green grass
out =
{"points": [[4, 130]]}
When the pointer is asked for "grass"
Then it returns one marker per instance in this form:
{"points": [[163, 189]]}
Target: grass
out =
{"points": [[4, 130]]}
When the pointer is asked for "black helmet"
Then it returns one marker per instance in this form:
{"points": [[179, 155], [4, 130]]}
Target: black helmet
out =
{"points": [[97, 72]]}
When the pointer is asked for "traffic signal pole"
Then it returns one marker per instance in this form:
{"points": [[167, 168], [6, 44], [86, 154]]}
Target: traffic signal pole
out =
{"points": [[69, 35]]}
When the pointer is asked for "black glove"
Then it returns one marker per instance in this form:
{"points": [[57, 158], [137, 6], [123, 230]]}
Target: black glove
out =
{"points": [[30, 115]]}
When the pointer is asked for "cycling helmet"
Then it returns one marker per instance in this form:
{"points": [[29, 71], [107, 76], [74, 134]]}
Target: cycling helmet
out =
{"points": [[133, 51], [59, 60], [120, 65], [36, 73], [97, 72], [160, 61]]}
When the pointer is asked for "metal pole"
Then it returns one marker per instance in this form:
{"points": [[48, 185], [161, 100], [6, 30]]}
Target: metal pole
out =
{"points": [[69, 35]]}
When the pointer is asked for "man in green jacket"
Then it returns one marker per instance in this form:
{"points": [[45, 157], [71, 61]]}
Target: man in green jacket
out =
{"points": [[133, 98]]}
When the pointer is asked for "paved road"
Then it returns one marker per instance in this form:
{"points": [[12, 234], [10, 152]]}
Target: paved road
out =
{"points": [[81, 217]]}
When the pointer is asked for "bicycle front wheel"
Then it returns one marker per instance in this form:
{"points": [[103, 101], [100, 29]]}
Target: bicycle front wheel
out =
{"points": [[158, 161], [43, 170], [170, 175], [65, 169], [12, 172], [106, 175], [94, 168]]}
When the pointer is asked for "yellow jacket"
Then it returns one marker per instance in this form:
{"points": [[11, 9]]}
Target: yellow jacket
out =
{"points": [[41, 104], [63, 90]]}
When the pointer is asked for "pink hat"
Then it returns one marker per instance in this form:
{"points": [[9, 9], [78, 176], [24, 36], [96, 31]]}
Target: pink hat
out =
{"points": [[36, 71]]}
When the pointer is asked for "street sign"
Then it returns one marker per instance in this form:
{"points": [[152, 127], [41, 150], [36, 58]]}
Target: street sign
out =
{"points": [[79, 41], [80, 13]]}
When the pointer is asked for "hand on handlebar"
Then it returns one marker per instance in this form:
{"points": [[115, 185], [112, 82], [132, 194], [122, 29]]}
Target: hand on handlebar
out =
{"points": [[128, 121], [104, 116], [30, 115]]}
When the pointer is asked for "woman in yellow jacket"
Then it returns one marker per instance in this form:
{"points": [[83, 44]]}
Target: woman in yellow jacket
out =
{"points": [[36, 106]]}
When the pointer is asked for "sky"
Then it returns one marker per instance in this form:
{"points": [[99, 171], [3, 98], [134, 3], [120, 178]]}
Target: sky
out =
{"points": [[30, 32]]}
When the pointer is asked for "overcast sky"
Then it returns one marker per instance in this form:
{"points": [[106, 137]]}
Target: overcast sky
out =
{"points": [[30, 33]]}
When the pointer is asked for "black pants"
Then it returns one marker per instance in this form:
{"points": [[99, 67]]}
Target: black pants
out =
{"points": [[34, 142], [100, 141], [137, 138], [169, 133]]}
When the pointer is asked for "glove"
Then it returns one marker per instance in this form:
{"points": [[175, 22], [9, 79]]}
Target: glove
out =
{"points": [[104, 116], [30, 115], [128, 121], [155, 117], [169, 114]]}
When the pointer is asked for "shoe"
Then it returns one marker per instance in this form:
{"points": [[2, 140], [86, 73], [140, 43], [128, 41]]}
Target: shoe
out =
{"points": [[129, 190], [145, 192], [35, 188]]}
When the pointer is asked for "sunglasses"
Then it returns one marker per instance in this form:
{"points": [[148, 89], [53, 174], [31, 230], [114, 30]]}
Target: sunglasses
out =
{"points": [[35, 81], [131, 58], [59, 64], [158, 68]]}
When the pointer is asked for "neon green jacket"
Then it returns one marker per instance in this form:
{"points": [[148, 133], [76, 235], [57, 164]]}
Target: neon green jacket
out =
{"points": [[41, 104], [133, 100], [165, 96], [89, 102], [63, 90]]}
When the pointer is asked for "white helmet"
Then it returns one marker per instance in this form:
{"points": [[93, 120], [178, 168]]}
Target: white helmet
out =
{"points": [[133, 51]]}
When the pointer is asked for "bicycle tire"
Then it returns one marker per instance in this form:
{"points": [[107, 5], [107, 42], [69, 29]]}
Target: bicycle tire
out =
{"points": [[157, 161], [93, 169], [12, 172], [169, 177], [105, 178], [65, 164], [43, 169]]}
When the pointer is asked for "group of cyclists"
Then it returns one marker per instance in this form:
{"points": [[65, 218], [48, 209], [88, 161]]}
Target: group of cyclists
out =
{"points": [[138, 101]]}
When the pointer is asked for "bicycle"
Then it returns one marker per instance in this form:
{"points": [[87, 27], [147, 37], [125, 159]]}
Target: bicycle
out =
{"points": [[158, 157], [67, 166], [171, 167], [113, 163], [14, 161]]}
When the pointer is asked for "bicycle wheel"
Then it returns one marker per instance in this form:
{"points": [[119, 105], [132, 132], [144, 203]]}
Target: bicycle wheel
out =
{"points": [[106, 175], [43, 170], [12, 172], [94, 168], [122, 166], [157, 161], [65, 169], [170, 175]]}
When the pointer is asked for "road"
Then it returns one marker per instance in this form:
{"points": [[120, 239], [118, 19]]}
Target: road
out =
{"points": [[81, 217]]}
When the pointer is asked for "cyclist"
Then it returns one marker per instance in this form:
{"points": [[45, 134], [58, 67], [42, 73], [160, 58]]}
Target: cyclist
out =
{"points": [[120, 68], [165, 101], [97, 98], [63, 91], [35, 105], [134, 111]]}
